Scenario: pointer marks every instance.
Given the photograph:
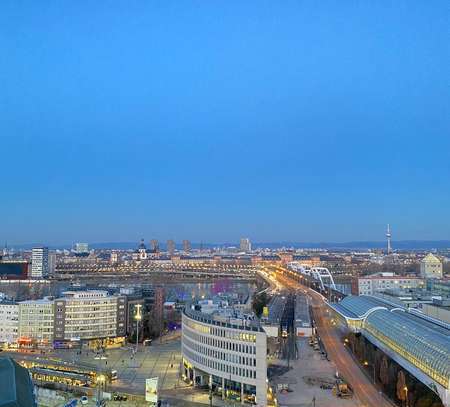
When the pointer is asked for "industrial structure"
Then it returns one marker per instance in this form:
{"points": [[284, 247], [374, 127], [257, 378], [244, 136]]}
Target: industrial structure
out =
{"points": [[418, 343]]}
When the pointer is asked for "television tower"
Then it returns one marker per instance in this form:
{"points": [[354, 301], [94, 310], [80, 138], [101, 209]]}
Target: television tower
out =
{"points": [[388, 236]]}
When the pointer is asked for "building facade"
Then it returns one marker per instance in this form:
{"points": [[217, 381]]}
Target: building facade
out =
{"points": [[9, 322], [170, 247], [228, 356], [76, 316], [81, 248], [36, 321], [375, 283], [114, 258], [186, 246], [245, 245], [154, 246], [430, 267], [39, 263], [93, 314]]}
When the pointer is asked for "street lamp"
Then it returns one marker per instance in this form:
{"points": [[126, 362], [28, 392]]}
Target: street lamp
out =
{"points": [[210, 390], [101, 379], [137, 317], [406, 395]]}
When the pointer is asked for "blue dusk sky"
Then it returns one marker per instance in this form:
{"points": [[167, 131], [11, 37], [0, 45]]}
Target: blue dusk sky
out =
{"points": [[211, 120]]}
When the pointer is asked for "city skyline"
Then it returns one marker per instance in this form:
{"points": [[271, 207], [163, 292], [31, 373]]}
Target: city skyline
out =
{"points": [[399, 245], [225, 203], [307, 122]]}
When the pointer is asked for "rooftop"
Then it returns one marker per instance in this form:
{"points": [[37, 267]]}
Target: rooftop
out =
{"points": [[221, 314], [358, 307], [430, 258], [419, 339]]}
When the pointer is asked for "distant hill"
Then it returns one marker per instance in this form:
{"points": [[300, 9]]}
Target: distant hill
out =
{"points": [[357, 245]]}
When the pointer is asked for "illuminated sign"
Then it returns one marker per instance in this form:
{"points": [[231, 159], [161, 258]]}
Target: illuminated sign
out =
{"points": [[151, 389]]}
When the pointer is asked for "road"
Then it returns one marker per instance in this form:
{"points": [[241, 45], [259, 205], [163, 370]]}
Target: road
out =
{"points": [[364, 390]]}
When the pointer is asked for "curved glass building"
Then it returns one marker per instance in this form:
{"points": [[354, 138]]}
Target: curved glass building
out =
{"points": [[226, 352]]}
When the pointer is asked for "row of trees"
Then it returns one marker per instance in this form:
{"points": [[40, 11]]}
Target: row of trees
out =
{"points": [[259, 302]]}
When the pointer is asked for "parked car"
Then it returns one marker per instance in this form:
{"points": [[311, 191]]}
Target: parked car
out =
{"points": [[119, 397], [84, 400]]}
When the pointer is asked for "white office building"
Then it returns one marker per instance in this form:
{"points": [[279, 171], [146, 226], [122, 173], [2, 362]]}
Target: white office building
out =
{"points": [[91, 314], [223, 349], [9, 322], [379, 282], [36, 321], [39, 263]]}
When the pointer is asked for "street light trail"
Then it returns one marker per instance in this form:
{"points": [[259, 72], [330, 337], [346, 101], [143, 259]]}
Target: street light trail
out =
{"points": [[362, 387]]}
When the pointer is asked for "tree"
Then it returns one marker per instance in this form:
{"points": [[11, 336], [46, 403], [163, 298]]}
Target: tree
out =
{"points": [[259, 302]]}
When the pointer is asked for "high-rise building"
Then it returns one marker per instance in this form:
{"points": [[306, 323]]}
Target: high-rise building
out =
{"points": [[51, 263], [431, 267], [186, 246], [39, 262], [245, 245], [154, 246], [170, 247]]}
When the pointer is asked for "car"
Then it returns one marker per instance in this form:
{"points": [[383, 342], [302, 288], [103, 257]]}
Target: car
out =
{"points": [[84, 400], [119, 397]]}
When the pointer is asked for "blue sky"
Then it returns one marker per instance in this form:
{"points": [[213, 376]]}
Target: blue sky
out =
{"points": [[296, 120]]}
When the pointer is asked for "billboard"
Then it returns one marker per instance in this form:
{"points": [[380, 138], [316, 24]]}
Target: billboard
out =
{"points": [[151, 390]]}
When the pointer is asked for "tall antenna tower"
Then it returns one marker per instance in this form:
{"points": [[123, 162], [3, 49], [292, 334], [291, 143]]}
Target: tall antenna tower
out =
{"points": [[388, 236]]}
